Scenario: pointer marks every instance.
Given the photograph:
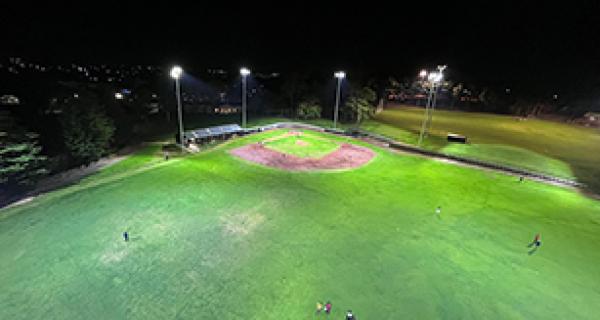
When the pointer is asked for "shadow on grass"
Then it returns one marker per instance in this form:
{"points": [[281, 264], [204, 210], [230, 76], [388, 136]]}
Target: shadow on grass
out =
{"points": [[589, 176], [135, 238]]}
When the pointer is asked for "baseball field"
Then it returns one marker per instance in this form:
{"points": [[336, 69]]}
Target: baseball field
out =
{"points": [[267, 225]]}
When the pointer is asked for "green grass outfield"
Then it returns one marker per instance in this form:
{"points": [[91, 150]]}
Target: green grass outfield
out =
{"points": [[549, 147], [213, 237]]}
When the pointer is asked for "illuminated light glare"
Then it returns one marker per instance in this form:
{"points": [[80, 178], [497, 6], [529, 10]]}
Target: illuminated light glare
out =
{"points": [[119, 96], [435, 77], [423, 73], [340, 74], [244, 71], [176, 72]]}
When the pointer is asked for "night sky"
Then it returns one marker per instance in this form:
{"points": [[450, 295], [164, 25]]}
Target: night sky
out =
{"points": [[523, 41]]}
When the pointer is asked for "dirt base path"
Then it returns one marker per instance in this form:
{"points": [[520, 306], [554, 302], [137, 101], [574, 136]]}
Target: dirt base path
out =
{"points": [[345, 157]]}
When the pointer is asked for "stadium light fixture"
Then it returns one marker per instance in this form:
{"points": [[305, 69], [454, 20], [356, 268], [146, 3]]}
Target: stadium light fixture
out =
{"points": [[435, 77], [176, 72], [340, 75], [244, 72]]}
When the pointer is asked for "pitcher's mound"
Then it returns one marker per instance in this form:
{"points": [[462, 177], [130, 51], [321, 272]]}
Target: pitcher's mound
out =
{"points": [[345, 157]]}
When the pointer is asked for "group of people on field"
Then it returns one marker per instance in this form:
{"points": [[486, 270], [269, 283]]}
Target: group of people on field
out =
{"points": [[327, 309]]}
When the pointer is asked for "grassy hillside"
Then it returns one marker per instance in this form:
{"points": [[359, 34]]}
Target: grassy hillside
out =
{"points": [[550, 147]]}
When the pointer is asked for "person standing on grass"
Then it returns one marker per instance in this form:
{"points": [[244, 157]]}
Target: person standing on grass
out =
{"points": [[536, 243], [350, 315], [319, 307], [328, 307], [521, 178], [126, 236]]}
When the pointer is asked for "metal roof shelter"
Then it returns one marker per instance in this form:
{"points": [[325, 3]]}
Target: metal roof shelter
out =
{"points": [[212, 132]]}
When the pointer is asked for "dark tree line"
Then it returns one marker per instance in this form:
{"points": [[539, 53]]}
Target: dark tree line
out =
{"points": [[58, 125]]}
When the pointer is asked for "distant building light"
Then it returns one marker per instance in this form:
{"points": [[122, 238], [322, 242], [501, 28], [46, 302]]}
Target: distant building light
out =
{"points": [[75, 95], [118, 96], [507, 90], [555, 96], [9, 99]]}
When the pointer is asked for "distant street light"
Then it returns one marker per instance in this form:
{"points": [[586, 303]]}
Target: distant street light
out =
{"points": [[434, 79], [176, 73], [340, 75], [244, 72]]}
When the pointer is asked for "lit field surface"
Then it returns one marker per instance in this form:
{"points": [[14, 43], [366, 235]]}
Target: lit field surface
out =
{"points": [[214, 237]]}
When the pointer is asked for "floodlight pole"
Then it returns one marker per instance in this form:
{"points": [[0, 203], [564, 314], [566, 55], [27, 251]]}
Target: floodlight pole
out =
{"points": [[337, 102], [176, 73], [426, 116], [179, 111], [243, 101], [431, 108], [431, 102], [244, 72], [340, 75], [422, 76]]}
